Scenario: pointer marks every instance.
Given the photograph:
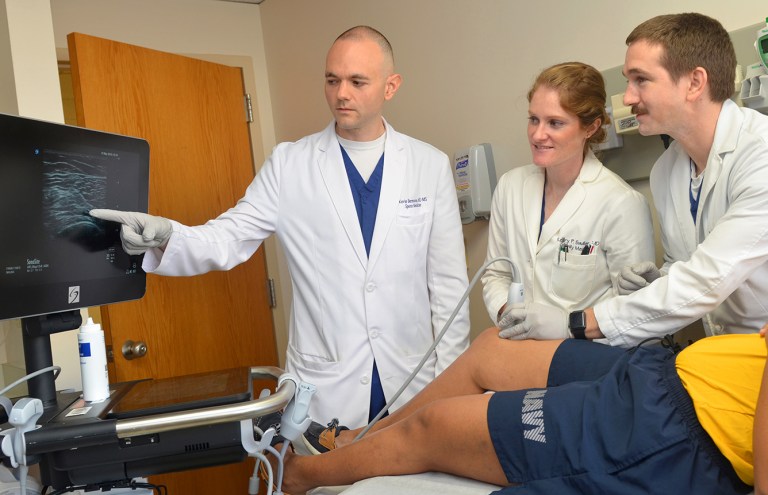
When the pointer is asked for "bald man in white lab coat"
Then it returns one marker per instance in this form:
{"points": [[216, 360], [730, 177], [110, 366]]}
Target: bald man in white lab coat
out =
{"points": [[369, 221]]}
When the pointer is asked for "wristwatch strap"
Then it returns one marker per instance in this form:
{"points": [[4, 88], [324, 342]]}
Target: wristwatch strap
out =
{"points": [[577, 324]]}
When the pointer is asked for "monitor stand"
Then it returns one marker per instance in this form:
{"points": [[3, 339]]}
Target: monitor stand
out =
{"points": [[36, 335]]}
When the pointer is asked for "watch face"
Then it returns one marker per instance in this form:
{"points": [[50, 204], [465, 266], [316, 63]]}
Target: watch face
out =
{"points": [[577, 320], [577, 323]]}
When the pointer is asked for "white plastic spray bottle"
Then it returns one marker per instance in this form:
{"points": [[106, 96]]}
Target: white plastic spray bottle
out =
{"points": [[93, 362]]}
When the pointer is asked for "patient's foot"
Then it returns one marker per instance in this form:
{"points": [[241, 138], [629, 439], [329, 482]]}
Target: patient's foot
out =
{"points": [[319, 439], [292, 479], [289, 485], [345, 437]]}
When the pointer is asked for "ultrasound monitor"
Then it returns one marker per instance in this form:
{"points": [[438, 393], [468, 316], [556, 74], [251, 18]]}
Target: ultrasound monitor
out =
{"points": [[54, 259], [54, 256]]}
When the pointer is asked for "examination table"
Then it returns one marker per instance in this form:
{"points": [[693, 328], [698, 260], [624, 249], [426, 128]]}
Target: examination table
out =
{"points": [[412, 484]]}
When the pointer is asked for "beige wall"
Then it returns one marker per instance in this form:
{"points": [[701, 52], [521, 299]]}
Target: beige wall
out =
{"points": [[466, 64], [30, 88], [223, 32]]}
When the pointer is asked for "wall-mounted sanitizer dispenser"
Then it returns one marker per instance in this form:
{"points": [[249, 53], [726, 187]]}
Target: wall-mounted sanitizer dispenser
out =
{"points": [[475, 175]]}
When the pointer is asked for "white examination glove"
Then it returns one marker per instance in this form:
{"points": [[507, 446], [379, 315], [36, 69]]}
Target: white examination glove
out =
{"points": [[139, 231], [508, 318], [537, 321], [637, 276]]}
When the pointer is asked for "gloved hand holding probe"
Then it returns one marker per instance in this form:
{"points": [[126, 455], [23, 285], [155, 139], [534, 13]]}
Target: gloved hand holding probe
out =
{"points": [[536, 321], [509, 316], [139, 231], [637, 276]]}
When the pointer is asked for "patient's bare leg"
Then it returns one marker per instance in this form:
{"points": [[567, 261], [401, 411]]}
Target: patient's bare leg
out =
{"points": [[490, 363], [449, 435]]}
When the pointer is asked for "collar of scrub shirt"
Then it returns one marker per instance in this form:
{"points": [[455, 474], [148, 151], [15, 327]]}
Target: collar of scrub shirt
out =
{"points": [[694, 190], [541, 220], [364, 154]]}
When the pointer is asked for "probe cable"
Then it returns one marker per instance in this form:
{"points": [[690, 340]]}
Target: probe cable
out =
{"points": [[439, 337]]}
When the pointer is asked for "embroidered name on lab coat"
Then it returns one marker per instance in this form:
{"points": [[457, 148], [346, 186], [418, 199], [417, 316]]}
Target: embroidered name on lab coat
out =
{"points": [[577, 246], [418, 202]]}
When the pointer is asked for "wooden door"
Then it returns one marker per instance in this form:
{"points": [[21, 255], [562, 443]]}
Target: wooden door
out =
{"points": [[193, 115]]}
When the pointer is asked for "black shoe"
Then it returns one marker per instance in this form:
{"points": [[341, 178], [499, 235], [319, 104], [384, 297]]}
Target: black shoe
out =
{"points": [[263, 423], [319, 439]]}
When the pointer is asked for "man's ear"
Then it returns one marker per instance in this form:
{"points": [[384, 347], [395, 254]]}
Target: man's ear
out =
{"points": [[698, 83], [391, 86]]}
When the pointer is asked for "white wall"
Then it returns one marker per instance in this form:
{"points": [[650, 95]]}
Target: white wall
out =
{"points": [[467, 66]]}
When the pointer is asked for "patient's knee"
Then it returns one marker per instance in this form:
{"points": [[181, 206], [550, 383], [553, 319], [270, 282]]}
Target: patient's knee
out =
{"points": [[485, 343], [421, 424], [437, 416], [489, 336]]}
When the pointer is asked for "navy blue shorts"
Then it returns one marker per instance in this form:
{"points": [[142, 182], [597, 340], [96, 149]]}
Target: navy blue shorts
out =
{"points": [[619, 422]]}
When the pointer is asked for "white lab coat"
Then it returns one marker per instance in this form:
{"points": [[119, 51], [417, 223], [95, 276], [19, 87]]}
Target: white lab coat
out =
{"points": [[599, 213], [348, 307], [718, 268]]}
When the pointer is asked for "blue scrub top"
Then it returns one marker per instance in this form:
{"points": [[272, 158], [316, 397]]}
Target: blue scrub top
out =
{"points": [[366, 196]]}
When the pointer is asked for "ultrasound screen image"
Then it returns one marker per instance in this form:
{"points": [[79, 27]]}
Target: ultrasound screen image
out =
{"points": [[51, 176], [71, 188], [58, 239]]}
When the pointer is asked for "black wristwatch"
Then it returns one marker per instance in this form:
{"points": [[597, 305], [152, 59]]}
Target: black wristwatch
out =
{"points": [[577, 324]]}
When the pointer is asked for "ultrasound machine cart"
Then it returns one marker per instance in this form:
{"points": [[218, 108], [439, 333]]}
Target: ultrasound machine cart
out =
{"points": [[152, 427], [62, 259]]}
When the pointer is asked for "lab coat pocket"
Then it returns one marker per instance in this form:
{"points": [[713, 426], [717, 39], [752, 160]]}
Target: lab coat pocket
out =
{"points": [[412, 217], [309, 362], [406, 246], [573, 277]]}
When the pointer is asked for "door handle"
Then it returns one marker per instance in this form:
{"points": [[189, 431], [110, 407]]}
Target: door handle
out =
{"points": [[134, 350]]}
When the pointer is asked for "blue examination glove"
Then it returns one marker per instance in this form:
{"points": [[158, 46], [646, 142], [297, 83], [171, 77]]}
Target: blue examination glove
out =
{"points": [[537, 321]]}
